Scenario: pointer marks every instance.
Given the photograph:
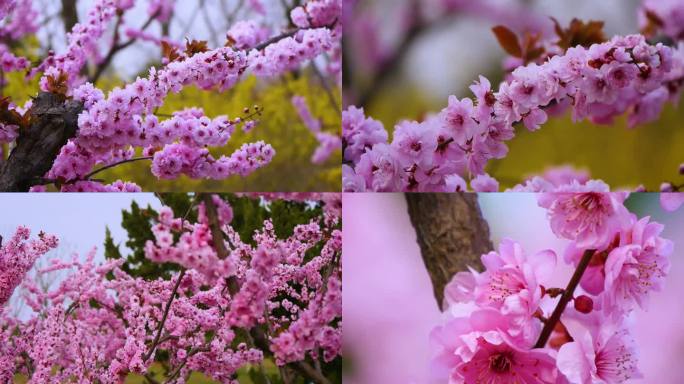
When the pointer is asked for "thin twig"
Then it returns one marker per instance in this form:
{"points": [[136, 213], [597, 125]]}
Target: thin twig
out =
{"points": [[95, 172], [565, 299], [160, 328], [327, 88], [116, 47]]}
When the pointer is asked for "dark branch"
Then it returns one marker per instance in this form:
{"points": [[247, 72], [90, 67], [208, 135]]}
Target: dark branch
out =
{"points": [[565, 299], [53, 122], [160, 328], [451, 233]]}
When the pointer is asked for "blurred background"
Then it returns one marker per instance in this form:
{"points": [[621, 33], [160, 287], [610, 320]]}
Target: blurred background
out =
{"points": [[280, 125], [389, 307], [403, 58]]}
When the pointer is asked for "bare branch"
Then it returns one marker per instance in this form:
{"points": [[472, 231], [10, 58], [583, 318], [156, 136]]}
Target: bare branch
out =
{"points": [[451, 233]]}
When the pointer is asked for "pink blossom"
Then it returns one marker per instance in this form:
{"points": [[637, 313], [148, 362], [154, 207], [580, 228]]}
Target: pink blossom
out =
{"points": [[587, 214], [671, 201], [484, 183], [512, 279], [605, 356], [637, 266], [493, 363]]}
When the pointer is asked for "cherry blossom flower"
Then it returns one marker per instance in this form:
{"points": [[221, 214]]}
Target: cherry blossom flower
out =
{"points": [[587, 214]]}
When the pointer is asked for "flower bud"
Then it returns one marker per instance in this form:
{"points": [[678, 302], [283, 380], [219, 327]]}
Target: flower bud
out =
{"points": [[681, 169], [584, 304], [666, 187]]}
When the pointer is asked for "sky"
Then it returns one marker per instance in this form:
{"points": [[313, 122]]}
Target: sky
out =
{"points": [[78, 220]]}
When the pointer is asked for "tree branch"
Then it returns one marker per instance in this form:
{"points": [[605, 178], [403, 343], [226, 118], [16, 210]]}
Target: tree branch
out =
{"points": [[451, 233], [69, 14], [160, 328], [53, 122], [565, 299]]}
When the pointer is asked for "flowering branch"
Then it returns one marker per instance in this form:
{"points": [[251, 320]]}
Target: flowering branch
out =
{"points": [[566, 297], [167, 308]]}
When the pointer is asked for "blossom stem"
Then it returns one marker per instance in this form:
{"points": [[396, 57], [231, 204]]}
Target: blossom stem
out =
{"points": [[95, 172], [565, 299], [160, 328]]}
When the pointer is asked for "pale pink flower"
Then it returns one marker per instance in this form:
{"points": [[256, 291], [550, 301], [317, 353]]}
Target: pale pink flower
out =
{"points": [[609, 357], [512, 278], [638, 266], [484, 183], [587, 214], [671, 201]]}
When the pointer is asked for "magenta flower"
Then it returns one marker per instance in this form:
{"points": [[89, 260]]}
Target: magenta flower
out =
{"points": [[512, 279], [609, 357], [504, 363], [587, 214], [459, 340]]}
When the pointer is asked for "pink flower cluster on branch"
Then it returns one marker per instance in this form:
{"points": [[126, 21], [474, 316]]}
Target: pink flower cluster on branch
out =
{"points": [[113, 126], [514, 323], [17, 257], [623, 75], [101, 329]]}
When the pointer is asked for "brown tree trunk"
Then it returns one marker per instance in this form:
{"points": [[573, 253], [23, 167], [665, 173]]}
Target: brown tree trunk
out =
{"points": [[69, 14], [452, 234], [53, 122]]}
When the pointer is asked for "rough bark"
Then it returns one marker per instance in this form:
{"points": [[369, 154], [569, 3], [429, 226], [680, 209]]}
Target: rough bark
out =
{"points": [[53, 122], [69, 14], [451, 232]]}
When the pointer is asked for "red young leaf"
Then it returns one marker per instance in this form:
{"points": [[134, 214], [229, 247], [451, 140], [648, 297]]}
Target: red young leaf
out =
{"points": [[508, 40]]}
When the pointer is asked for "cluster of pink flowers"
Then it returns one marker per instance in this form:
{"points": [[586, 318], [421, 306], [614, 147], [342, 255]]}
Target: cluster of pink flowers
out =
{"points": [[193, 249], [318, 13], [5, 7], [82, 44], [17, 257], [103, 328], [246, 34], [22, 21], [124, 119], [328, 142], [500, 325], [625, 74]]}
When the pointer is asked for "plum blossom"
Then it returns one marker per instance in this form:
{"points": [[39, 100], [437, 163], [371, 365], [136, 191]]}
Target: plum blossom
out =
{"points": [[608, 355], [512, 279], [587, 214]]}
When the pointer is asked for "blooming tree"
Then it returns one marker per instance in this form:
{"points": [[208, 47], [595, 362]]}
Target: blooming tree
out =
{"points": [[516, 321], [73, 130], [232, 304], [577, 70]]}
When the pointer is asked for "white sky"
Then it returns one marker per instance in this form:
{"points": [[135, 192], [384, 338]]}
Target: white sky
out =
{"points": [[78, 220]]}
